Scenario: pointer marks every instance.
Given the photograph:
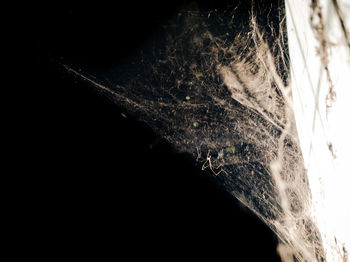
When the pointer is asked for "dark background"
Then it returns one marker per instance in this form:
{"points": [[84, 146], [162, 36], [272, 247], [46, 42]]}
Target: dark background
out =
{"points": [[105, 184]]}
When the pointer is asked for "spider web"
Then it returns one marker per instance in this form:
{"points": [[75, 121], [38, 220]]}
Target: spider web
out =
{"points": [[216, 87]]}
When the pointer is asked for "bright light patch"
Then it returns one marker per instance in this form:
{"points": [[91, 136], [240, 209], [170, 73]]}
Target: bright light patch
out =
{"points": [[320, 59]]}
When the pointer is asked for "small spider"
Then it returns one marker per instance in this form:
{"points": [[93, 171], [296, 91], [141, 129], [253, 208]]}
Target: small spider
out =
{"points": [[208, 163]]}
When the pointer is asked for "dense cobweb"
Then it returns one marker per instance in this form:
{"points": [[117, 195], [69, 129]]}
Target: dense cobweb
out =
{"points": [[218, 88]]}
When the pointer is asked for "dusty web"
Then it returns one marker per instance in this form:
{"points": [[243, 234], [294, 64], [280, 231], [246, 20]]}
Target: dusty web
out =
{"points": [[215, 85]]}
